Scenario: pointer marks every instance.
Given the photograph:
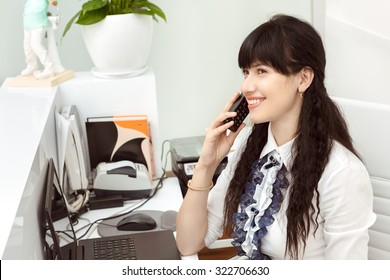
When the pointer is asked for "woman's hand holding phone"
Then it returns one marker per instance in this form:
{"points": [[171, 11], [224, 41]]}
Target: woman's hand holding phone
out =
{"points": [[240, 106], [218, 142]]}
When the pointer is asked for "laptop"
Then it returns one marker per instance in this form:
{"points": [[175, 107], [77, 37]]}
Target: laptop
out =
{"points": [[153, 245]]}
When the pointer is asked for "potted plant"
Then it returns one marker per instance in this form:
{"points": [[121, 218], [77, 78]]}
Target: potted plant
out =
{"points": [[117, 34]]}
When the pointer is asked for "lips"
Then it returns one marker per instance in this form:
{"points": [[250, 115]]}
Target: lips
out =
{"points": [[253, 102]]}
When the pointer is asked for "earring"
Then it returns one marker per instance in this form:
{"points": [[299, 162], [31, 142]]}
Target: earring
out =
{"points": [[301, 94]]}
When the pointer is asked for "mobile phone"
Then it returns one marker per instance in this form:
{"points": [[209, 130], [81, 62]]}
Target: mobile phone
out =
{"points": [[241, 107]]}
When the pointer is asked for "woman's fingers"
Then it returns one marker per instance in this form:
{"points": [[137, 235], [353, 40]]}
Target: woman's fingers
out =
{"points": [[231, 137], [225, 114], [231, 102], [221, 118], [218, 140]]}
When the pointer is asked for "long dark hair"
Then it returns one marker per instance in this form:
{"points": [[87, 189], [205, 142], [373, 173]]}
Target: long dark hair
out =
{"points": [[288, 44]]}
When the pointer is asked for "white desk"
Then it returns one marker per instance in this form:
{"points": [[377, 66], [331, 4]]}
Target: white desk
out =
{"points": [[25, 126], [169, 197], [28, 140]]}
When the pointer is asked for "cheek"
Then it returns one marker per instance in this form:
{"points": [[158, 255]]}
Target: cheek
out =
{"points": [[274, 107], [285, 97], [285, 102], [281, 97]]}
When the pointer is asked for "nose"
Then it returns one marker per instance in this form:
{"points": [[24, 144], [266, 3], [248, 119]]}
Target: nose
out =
{"points": [[248, 85]]}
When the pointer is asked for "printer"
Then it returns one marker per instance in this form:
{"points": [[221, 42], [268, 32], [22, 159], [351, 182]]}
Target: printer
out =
{"points": [[126, 178], [185, 154]]}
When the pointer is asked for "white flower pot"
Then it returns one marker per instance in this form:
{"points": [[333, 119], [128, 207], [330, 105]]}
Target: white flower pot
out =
{"points": [[119, 45]]}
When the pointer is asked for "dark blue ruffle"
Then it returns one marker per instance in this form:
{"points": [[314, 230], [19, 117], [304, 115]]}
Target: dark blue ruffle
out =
{"points": [[240, 218]]}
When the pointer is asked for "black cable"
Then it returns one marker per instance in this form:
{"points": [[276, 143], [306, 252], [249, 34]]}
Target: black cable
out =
{"points": [[70, 220], [166, 156], [113, 217], [158, 187], [48, 250]]}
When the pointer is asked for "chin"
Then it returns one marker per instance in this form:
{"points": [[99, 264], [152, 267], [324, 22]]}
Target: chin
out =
{"points": [[258, 120]]}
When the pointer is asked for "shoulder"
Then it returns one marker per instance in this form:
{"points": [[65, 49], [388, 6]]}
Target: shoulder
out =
{"points": [[344, 174], [341, 159]]}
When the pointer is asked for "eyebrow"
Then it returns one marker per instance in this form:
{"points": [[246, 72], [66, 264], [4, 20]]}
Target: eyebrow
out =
{"points": [[257, 64]]}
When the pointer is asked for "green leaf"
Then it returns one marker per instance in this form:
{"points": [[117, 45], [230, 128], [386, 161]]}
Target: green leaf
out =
{"points": [[69, 24], [155, 9], [92, 5], [144, 12], [140, 6], [93, 16]]}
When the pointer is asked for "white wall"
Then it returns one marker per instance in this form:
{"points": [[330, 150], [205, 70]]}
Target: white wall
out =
{"points": [[194, 54], [357, 38]]}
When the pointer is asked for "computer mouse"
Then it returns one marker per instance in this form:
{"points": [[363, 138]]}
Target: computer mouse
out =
{"points": [[137, 222]]}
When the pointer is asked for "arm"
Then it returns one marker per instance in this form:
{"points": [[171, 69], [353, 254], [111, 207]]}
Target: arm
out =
{"points": [[192, 220]]}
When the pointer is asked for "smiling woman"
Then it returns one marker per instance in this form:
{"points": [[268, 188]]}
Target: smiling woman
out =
{"points": [[273, 97], [294, 186]]}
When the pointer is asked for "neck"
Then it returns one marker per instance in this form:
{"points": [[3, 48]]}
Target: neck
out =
{"points": [[284, 129], [284, 132]]}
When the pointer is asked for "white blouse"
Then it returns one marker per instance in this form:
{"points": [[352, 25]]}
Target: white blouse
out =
{"points": [[346, 206]]}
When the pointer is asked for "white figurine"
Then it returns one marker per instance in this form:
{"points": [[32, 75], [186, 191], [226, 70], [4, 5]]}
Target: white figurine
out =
{"points": [[36, 23], [52, 45]]}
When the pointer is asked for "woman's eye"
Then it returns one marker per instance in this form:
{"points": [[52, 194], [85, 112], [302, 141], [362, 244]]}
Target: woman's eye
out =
{"points": [[261, 71], [245, 72]]}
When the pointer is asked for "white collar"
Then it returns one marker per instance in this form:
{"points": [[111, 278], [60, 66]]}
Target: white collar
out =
{"points": [[283, 150]]}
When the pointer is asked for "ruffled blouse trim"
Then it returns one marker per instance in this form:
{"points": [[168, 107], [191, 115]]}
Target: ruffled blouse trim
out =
{"points": [[261, 200]]}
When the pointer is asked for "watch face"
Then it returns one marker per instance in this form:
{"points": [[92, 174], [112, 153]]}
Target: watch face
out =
{"points": [[189, 168]]}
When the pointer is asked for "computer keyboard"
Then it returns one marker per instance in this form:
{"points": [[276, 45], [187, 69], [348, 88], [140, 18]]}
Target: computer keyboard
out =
{"points": [[118, 249]]}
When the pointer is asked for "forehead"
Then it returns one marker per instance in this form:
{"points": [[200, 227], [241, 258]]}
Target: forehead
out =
{"points": [[258, 63]]}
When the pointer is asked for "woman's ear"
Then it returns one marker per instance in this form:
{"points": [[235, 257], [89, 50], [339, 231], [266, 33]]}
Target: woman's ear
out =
{"points": [[306, 75]]}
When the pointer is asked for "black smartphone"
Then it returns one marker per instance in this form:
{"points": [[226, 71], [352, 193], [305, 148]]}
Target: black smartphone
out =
{"points": [[241, 107]]}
